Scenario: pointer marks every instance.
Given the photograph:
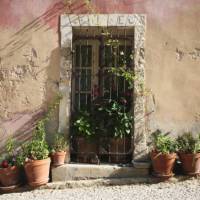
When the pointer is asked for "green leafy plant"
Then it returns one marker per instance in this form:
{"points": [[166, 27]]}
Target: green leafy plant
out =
{"points": [[37, 148], [10, 146], [127, 74], [187, 143], [114, 43], [12, 156], [122, 70], [162, 143], [113, 120], [84, 125], [59, 143]]}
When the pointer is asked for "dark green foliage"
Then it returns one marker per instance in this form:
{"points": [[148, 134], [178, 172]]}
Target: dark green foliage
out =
{"points": [[59, 143], [84, 125], [163, 143], [127, 74], [187, 143], [37, 148], [112, 120], [12, 155]]}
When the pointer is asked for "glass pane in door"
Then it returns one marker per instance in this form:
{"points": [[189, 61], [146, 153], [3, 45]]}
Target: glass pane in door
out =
{"points": [[82, 76]]}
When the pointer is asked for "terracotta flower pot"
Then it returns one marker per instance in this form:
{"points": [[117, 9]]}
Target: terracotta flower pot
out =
{"points": [[120, 150], [37, 172], [190, 163], [9, 176], [163, 164], [58, 158]]}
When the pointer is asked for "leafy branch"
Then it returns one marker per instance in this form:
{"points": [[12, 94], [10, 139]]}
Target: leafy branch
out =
{"points": [[37, 148], [127, 74]]}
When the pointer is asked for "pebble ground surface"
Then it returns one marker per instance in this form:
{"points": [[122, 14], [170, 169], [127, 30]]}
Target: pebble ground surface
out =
{"points": [[184, 190]]}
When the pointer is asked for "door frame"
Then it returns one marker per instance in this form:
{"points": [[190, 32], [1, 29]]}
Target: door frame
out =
{"points": [[138, 23]]}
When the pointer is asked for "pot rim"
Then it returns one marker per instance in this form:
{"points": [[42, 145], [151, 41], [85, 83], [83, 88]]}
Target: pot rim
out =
{"points": [[155, 155], [38, 161], [59, 152], [9, 168], [183, 153], [156, 152], [196, 155]]}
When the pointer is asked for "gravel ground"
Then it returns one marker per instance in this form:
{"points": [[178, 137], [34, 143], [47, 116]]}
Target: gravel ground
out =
{"points": [[185, 190]]}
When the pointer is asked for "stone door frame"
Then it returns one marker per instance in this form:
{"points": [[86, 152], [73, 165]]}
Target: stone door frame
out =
{"points": [[136, 21]]}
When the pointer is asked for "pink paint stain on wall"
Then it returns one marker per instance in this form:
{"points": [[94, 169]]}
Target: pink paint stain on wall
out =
{"points": [[155, 9], [53, 12], [13, 13], [18, 13]]}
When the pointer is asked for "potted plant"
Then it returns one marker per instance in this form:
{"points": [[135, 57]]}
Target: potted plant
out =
{"points": [[84, 137], [58, 150], [115, 125], [163, 155], [35, 156], [189, 153], [10, 166]]}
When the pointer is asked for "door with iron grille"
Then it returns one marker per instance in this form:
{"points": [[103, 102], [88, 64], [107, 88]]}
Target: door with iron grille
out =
{"points": [[92, 79]]}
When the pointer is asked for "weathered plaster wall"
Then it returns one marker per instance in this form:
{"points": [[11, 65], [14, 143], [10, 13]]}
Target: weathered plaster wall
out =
{"points": [[29, 58], [172, 65]]}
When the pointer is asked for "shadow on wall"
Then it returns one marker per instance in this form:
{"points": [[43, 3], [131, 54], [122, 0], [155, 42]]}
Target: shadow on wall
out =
{"points": [[20, 125], [23, 36], [52, 87]]}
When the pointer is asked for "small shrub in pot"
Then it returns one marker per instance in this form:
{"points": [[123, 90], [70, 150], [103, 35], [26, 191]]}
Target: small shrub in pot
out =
{"points": [[10, 166], [58, 150], [189, 153], [35, 157], [163, 155], [35, 153]]}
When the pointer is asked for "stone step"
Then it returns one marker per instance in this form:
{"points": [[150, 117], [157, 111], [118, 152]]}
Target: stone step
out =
{"points": [[89, 171]]}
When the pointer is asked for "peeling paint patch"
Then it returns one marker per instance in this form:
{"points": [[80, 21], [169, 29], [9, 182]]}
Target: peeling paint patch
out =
{"points": [[195, 54], [15, 73], [179, 54]]}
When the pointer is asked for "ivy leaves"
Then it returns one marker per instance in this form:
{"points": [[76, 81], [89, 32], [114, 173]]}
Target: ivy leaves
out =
{"points": [[116, 122], [107, 119], [127, 74], [84, 125]]}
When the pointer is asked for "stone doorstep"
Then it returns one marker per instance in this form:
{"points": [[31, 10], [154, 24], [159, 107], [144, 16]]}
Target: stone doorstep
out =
{"points": [[141, 165], [69, 172], [111, 182]]}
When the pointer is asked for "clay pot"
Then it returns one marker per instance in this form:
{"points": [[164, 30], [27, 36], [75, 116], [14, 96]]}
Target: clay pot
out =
{"points": [[163, 164], [120, 150], [58, 158], [9, 176], [37, 172], [190, 163], [86, 150]]}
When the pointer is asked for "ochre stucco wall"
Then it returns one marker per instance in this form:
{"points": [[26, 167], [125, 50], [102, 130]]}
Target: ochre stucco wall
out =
{"points": [[29, 59]]}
